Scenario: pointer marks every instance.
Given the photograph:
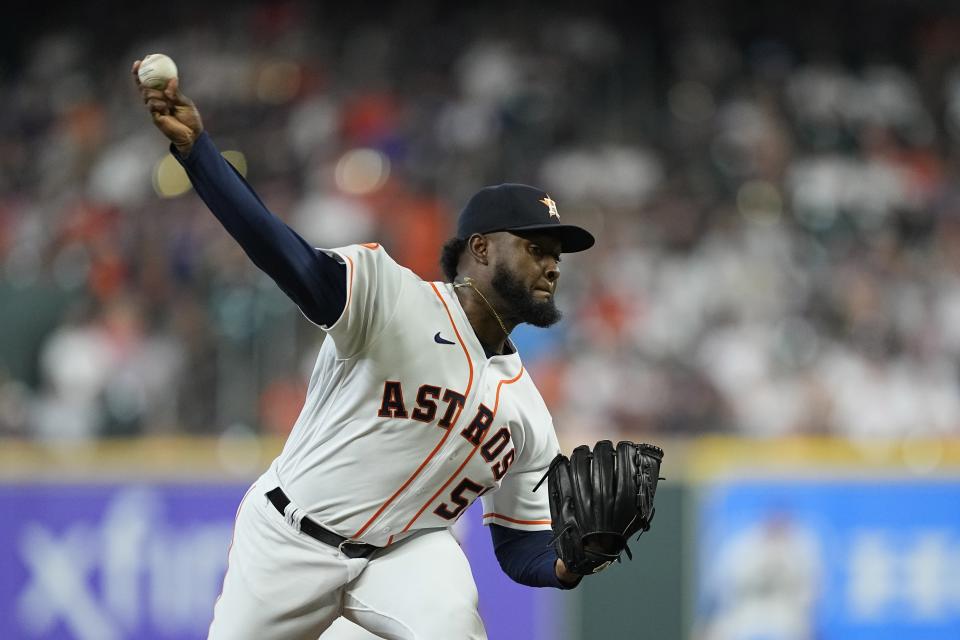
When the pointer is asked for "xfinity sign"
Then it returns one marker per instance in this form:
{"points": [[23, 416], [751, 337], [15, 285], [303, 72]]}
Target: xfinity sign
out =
{"points": [[110, 561]]}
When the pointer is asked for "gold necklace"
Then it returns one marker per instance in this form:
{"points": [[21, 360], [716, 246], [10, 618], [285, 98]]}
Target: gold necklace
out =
{"points": [[468, 282]]}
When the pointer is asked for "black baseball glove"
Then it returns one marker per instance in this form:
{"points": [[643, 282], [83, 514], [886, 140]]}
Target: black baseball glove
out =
{"points": [[598, 499]]}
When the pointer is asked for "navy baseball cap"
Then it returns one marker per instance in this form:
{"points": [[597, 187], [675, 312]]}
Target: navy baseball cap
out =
{"points": [[519, 207]]}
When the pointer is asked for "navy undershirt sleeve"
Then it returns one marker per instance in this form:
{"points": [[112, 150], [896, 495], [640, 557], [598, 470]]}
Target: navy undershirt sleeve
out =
{"points": [[314, 280], [527, 556]]}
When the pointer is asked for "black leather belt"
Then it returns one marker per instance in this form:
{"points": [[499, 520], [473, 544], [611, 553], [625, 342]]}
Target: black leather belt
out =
{"points": [[349, 548]]}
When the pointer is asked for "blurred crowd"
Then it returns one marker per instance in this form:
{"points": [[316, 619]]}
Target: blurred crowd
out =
{"points": [[777, 218]]}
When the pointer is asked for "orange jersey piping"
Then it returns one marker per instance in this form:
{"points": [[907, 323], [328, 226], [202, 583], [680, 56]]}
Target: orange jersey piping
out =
{"points": [[453, 423], [514, 520], [496, 405], [349, 283]]}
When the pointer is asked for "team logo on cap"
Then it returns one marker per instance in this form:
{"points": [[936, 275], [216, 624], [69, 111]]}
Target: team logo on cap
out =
{"points": [[552, 206]]}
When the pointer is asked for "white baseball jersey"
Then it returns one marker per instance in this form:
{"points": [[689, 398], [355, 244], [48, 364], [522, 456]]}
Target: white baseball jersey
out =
{"points": [[407, 421]]}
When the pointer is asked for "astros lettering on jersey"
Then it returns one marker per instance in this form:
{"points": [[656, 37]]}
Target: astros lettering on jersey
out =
{"points": [[404, 392]]}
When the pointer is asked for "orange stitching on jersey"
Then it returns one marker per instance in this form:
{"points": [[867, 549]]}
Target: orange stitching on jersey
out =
{"points": [[453, 423], [496, 404], [514, 520]]}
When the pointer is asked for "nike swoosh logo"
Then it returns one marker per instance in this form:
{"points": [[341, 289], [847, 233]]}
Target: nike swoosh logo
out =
{"points": [[441, 340]]}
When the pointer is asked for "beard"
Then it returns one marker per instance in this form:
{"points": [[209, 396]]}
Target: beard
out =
{"points": [[520, 303]]}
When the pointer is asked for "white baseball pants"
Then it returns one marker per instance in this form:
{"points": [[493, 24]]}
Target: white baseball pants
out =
{"points": [[284, 585]]}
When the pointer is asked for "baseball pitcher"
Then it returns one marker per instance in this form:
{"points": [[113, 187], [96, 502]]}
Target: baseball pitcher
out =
{"points": [[418, 405]]}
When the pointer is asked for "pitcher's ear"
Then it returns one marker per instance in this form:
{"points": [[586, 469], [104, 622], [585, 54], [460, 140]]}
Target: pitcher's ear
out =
{"points": [[478, 246]]}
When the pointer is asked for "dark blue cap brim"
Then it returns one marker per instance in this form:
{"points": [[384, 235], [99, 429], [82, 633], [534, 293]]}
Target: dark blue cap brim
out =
{"points": [[521, 208], [572, 238]]}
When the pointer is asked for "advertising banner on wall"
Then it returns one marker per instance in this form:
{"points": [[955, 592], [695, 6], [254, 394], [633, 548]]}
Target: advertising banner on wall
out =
{"points": [[114, 561], [829, 560]]}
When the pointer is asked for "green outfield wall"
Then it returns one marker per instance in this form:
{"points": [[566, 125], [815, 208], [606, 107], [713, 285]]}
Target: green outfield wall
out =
{"points": [[643, 598]]}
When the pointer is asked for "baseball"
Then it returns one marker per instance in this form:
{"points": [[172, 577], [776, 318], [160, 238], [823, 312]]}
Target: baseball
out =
{"points": [[155, 70]]}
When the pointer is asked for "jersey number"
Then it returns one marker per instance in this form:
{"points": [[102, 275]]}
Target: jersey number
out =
{"points": [[457, 497]]}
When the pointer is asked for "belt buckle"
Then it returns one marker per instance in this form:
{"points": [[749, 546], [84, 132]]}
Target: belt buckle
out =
{"points": [[349, 541]]}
